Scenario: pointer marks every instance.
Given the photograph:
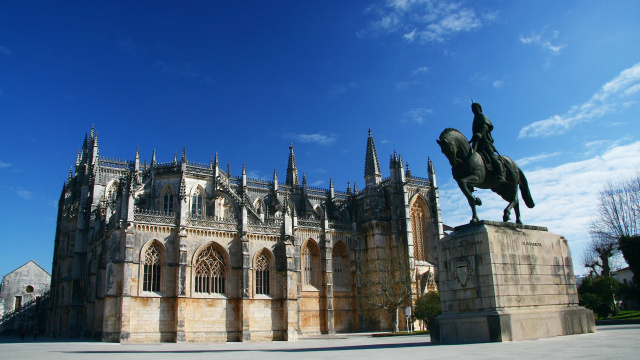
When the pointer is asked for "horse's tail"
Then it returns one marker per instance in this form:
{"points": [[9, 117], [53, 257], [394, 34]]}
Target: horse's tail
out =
{"points": [[524, 190]]}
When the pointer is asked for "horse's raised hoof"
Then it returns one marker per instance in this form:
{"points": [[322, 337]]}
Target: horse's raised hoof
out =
{"points": [[506, 218], [478, 201]]}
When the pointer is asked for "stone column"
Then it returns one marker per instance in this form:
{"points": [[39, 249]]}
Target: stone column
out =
{"points": [[181, 288], [328, 269], [127, 276], [246, 289]]}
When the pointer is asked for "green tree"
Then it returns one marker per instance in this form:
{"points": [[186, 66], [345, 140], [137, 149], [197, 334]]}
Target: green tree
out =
{"points": [[428, 307], [599, 294], [630, 246]]}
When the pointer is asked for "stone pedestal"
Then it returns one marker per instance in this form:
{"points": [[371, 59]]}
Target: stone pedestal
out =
{"points": [[504, 282]]}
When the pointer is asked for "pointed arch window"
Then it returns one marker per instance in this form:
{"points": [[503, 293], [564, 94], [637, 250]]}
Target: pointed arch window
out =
{"points": [[168, 202], [421, 226], [210, 272], [151, 269], [307, 264], [340, 267], [262, 275], [196, 203]]}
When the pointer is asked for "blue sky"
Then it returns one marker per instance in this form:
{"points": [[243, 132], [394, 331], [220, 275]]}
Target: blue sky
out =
{"points": [[560, 80]]}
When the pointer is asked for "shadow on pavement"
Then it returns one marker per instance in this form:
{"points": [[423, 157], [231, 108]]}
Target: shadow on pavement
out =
{"points": [[306, 349]]}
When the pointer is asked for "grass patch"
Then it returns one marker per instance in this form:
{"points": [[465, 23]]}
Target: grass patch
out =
{"points": [[622, 315]]}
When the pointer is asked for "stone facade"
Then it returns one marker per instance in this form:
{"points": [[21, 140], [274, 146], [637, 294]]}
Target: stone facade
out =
{"points": [[181, 251], [23, 296]]}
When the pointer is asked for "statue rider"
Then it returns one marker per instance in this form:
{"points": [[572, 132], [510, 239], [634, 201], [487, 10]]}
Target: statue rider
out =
{"points": [[482, 141]]}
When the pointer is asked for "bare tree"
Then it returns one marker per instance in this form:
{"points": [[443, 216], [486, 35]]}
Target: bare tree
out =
{"points": [[386, 280], [618, 209], [618, 216]]}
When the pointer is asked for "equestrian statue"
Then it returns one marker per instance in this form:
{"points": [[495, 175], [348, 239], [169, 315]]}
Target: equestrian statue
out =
{"points": [[477, 164]]}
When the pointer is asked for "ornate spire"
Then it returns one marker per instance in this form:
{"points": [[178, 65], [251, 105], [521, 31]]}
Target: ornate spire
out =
{"points": [[210, 163], [355, 188], [348, 187], [331, 183], [275, 175], [292, 170], [372, 174], [215, 162], [153, 158], [175, 158], [184, 154], [228, 171], [92, 133], [304, 179], [408, 171], [137, 163]]}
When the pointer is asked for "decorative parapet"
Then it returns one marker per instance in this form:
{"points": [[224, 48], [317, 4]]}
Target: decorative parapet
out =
{"points": [[155, 217], [269, 226], [339, 226], [212, 222], [197, 169], [414, 180], [311, 223]]}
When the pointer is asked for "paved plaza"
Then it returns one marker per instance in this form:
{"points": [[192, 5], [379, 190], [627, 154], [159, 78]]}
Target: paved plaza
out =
{"points": [[610, 342]]}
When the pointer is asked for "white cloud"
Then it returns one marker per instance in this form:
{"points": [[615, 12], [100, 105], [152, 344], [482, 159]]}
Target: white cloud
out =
{"points": [[614, 96], [5, 51], [498, 84], [528, 160], [566, 196], [317, 138], [420, 70], [4, 164], [404, 85], [417, 115], [544, 43], [425, 20], [23, 193]]}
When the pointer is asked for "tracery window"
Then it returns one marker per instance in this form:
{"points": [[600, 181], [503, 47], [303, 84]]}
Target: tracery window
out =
{"points": [[421, 227], [196, 203], [307, 264], [340, 262], [110, 195], [151, 269], [210, 272], [262, 275], [168, 202]]}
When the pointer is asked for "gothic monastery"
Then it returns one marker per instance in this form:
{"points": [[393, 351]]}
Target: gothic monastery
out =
{"points": [[180, 251]]}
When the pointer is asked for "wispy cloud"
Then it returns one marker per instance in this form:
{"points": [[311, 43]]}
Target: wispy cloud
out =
{"points": [[424, 21], [535, 158], [614, 96], [186, 70], [23, 193], [417, 115], [4, 51], [420, 70], [565, 195], [317, 138], [4, 164], [404, 85], [342, 89], [128, 47], [544, 42]]}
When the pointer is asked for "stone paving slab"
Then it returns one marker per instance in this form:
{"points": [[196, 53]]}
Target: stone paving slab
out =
{"points": [[610, 342]]}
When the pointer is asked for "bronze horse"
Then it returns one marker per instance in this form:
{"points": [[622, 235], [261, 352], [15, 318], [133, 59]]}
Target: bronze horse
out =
{"points": [[469, 170]]}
